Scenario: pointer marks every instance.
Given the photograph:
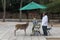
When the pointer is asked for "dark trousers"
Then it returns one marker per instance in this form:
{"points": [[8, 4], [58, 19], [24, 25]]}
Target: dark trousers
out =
{"points": [[44, 30]]}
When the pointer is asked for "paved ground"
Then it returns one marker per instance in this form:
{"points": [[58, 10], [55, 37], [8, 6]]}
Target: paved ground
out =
{"points": [[7, 32]]}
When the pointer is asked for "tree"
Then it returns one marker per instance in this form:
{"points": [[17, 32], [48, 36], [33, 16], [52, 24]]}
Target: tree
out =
{"points": [[20, 16], [4, 8], [54, 6], [0, 5]]}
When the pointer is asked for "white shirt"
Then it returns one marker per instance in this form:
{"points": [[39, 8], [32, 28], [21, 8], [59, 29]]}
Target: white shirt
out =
{"points": [[45, 20]]}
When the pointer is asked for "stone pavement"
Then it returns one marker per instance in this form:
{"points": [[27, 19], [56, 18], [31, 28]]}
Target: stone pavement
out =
{"points": [[7, 32]]}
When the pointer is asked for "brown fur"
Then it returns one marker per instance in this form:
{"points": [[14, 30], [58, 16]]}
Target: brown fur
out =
{"points": [[21, 26]]}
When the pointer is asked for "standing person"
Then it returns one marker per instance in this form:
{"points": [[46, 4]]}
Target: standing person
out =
{"points": [[45, 23], [34, 23]]}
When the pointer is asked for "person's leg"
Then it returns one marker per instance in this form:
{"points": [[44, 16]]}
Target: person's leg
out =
{"points": [[44, 30], [33, 28]]}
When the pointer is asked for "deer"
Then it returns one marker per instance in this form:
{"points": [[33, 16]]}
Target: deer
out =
{"points": [[22, 27]]}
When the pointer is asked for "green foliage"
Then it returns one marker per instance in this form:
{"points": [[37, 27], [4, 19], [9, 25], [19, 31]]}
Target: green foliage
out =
{"points": [[0, 5], [54, 6], [15, 5]]}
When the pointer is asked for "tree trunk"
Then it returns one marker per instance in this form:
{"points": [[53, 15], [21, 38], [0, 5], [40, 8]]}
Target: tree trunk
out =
{"points": [[4, 8], [20, 11]]}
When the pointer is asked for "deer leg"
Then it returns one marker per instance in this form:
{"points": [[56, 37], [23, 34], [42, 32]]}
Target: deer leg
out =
{"points": [[15, 32], [25, 31]]}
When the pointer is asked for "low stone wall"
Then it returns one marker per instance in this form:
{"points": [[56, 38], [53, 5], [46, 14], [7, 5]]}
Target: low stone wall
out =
{"points": [[25, 20], [53, 37], [17, 20]]}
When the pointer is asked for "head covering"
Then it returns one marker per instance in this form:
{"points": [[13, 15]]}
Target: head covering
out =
{"points": [[34, 18]]}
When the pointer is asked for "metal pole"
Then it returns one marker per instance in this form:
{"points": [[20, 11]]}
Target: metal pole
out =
{"points": [[4, 10]]}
